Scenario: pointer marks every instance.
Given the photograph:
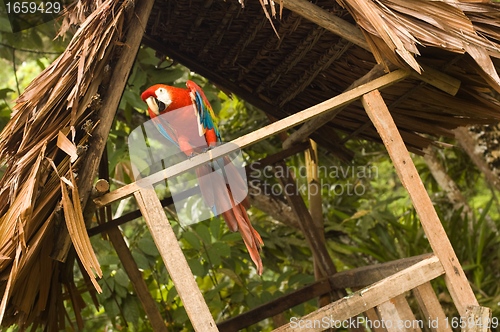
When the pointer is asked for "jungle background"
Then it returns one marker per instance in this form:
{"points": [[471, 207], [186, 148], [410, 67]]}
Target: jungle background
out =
{"points": [[375, 223]]}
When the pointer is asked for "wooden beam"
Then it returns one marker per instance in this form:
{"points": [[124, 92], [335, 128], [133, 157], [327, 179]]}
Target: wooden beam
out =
{"points": [[438, 79], [369, 297], [367, 275], [431, 308], [455, 278], [328, 21], [354, 278], [174, 260], [254, 137]]}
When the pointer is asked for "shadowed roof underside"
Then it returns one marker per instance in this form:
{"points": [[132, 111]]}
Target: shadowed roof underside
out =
{"points": [[237, 48]]}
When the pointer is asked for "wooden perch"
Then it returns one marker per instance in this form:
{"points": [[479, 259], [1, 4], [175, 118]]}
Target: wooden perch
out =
{"points": [[254, 137], [264, 203]]}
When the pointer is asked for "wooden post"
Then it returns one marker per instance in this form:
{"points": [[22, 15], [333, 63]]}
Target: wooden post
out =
{"points": [[431, 308], [397, 315], [371, 314], [315, 207], [174, 260], [455, 279], [311, 233], [128, 262], [477, 319]]}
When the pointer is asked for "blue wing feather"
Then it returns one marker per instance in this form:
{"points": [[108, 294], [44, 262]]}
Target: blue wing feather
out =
{"points": [[164, 132], [205, 115]]}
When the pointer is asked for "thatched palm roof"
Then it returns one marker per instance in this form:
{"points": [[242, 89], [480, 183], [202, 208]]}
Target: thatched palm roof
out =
{"points": [[238, 49]]}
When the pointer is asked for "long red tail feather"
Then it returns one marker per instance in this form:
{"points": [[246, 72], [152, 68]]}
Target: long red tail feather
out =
{"points": [[217, 193], [252, 239]]}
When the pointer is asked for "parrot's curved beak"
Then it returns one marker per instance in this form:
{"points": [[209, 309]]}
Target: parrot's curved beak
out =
{"points": [[155, 105]]}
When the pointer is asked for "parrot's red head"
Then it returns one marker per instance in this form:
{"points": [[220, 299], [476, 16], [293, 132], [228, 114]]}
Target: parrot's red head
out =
{"points": [[158, 98], [163, 98]]}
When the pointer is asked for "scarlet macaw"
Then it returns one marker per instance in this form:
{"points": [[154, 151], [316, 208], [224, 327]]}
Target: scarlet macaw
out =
{"points": [[185, 117]]}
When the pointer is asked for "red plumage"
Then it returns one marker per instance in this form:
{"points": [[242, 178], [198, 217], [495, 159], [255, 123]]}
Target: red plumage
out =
{"points": [[185, 124]]}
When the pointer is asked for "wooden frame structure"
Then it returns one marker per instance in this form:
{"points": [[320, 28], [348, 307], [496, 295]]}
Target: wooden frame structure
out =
{"points": [[387, 294]]}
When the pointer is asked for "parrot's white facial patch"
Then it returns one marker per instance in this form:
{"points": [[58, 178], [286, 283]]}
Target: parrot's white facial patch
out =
{"points": [[161, 102], [163, 96]]}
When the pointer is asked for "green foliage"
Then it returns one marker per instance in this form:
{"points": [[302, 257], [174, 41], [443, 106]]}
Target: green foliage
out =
{"points": [[368, 215]]}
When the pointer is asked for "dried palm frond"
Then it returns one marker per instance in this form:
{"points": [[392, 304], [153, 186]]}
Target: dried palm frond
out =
{"points": [[399, 26], [39, 148]]}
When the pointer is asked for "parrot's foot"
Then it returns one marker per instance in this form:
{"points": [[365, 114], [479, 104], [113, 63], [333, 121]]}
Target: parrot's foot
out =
{"points": [[191, 155], [208, 148]]}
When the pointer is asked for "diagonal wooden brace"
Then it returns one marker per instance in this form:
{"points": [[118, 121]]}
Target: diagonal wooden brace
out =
{"points": [[455, 278], [174, 260]]}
